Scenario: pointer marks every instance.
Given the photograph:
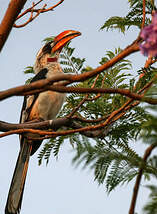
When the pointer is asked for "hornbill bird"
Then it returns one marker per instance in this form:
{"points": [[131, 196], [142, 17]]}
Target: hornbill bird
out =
{"points": [[41, 106]]}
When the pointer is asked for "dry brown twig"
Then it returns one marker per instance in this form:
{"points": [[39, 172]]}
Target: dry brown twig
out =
{"points": [[37, 12], [31, 18]]}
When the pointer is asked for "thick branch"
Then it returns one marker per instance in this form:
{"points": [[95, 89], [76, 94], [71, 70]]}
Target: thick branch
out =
{"points": [[99, 126], [124, 92], [68, 77], [10, 16], [36, 128], [48, 124], [134, 47], [22, 90]]}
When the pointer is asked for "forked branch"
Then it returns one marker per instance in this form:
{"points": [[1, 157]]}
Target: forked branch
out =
{"points": [[33, 11]]}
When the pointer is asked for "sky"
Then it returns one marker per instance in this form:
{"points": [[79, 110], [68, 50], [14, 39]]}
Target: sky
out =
{"points": [[60, 188]]}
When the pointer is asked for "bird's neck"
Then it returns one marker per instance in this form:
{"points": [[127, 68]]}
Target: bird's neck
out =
{"points": [[53, 69]]}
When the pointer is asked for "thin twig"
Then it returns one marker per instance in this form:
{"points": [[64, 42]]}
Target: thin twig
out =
{"points": [[31, 18], [28, 10], [32, 10], [144, 14], [139, 176]]}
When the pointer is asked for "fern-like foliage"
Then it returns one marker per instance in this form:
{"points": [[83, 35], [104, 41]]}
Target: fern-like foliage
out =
{"points": [[149, 129], [110, 156], [54, 145], [151, 206], [133, 18], [108, 162], [29, 70], [114, 164], [70, 63], [113, 77], [149, 136]]}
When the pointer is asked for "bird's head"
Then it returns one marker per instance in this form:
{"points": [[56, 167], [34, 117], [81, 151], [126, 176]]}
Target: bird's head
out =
{"points": [[49, 53]]}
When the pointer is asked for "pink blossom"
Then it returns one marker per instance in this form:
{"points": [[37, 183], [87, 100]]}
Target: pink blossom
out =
{"points": [[149, 36]]}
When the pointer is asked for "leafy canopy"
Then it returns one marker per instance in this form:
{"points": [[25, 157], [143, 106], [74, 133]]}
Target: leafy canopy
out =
{"points": [[108, 152]]}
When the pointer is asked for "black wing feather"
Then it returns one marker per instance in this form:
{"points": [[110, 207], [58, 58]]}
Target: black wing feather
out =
{"points": [[39, 76]]}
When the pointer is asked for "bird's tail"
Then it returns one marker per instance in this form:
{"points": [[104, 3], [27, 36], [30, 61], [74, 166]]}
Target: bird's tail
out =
{"points": [[15, 195]]}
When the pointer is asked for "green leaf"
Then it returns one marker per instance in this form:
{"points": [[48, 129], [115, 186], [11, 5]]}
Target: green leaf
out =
{"points": [[151, 205], [29, 70], [49, 39], [133, 18]]}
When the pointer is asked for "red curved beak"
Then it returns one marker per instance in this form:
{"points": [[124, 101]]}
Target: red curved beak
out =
{"points": [[63, 38]]}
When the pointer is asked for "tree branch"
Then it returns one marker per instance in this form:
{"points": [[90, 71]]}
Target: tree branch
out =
{"points": [[22, 90], [31, 18], [32, 10], [48, 124], [29, 10], [9, 18], [36, 128], [138, 179], [144, 14], [68, 77]]}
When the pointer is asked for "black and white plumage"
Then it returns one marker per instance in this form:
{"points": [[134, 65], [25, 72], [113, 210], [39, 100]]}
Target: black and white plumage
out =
{"points": [[45, 105], [40, 106]]}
